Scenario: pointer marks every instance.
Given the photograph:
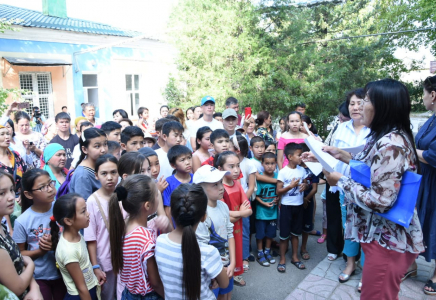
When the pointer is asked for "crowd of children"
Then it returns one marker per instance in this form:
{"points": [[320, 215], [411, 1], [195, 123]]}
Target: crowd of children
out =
{"points": [[162, 209]]}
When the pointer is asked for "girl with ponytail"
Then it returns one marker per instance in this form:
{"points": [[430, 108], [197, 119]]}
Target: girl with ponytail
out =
{"points": [[187, 267], [93, 144], [132, 243]]}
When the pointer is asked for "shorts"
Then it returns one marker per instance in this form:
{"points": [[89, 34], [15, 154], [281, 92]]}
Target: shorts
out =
{"points": [[220, 291], [308, 217], [266, 228], [291, 221]]}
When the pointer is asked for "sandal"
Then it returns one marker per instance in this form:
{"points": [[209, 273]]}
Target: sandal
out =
{"points": [[345, 276], [411, 274], [239, 281], [322, 239], [281, 268], [298, 264], [262, 260], [430, 284], [305, 255], [246, 265], [332, 257], [359, 287], [269, 258]]}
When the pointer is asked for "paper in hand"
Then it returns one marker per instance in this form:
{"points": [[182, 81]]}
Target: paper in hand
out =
{"points": [[327, 161], [354, 150], [315, 167]]}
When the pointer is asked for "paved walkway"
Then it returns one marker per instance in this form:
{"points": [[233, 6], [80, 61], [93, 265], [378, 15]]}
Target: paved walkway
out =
{"points": [[322, 283]]}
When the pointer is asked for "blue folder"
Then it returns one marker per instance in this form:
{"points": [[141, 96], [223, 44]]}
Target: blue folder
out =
{"points": [[402, 211]]}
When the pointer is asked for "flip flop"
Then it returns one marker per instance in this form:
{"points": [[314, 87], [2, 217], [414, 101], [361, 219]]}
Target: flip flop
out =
{"points": [[281, 268], [332, 257], [305, 255], [299, 265], [322, 239], [239, 281], [359, 287]]}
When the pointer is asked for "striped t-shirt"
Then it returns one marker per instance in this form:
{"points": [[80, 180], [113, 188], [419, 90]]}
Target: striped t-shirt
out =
{"points": [[169, 261], [138, 246]]}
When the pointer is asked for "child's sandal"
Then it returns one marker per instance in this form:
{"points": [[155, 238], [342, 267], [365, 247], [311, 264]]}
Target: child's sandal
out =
{"points": [[281, 268], [239, 281], [246, 265]]}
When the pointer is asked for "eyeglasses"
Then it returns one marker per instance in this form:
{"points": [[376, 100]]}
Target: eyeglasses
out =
{"points": [[44, 188]]}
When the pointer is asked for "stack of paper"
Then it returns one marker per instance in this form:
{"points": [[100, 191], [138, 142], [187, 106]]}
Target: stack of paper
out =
{"points": [[327, 161]]}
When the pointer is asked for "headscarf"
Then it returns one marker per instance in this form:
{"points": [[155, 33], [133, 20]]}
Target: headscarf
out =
{"points": [[49, 152], [78, 119]]}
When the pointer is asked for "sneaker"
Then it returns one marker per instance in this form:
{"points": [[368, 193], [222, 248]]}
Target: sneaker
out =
{"points": [[269, 258], [262, 260]]}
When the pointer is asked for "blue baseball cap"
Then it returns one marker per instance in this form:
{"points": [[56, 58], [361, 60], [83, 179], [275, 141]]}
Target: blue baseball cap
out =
{"points": [[207, 99]]}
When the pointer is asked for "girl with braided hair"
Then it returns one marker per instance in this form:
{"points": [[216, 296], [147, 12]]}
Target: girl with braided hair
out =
{"points": [[185, 266]]}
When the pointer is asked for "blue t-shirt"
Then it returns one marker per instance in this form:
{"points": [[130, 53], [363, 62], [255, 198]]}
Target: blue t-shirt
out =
{"points": [[29, 227], [173, 183], [83, 182], [267, 192], [311, 178]]}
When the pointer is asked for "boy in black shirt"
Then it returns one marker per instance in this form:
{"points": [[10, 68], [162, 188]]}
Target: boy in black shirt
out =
{"points": [[64, 136]]}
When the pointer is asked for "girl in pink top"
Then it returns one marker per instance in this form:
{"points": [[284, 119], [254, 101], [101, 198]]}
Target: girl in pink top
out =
{"points": [[291, 135], [97, 233], [203, 145]]}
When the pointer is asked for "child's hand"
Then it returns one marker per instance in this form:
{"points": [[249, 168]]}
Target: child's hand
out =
{"points": [[45, 243], [101, 276], [276, 200], [306, 202], [270, 204], [161, 222], [213, 284], [303, 187], [162, 184], [245, 206], [230, 270], [294, 182]]}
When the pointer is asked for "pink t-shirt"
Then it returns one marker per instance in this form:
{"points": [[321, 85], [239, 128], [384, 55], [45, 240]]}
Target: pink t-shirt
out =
{"points": [[96, 231], [282, 144]]}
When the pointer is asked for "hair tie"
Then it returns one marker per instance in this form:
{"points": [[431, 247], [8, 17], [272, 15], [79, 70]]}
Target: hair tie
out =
{"points": [[83, 136], [186, 219], [121, 193], [53, 218]]}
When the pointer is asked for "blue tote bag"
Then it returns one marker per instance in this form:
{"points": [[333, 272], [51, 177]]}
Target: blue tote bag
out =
{"points": [[402, 211]]}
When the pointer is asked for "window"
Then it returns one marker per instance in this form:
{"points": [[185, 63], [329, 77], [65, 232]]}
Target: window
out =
{"points": [[90, 91], [133, 93], [40, 86]]}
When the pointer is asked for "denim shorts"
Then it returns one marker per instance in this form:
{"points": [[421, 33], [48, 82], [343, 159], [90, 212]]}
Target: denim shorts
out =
{"points": [[266, 228], [220, 291], [150, 296]]}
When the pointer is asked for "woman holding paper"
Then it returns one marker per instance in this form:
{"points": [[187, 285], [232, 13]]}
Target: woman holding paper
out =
{"points": [[389, 248], [426, 148], [348, 135]]}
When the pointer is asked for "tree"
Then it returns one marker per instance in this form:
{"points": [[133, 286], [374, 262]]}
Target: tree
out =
{"points": [[276, 54]]}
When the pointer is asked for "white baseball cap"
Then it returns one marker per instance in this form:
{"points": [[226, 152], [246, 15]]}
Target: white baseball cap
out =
{"points": [[208, 174]]}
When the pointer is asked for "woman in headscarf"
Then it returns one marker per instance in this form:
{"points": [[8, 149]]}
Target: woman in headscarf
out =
{"points": [[55, 158]]}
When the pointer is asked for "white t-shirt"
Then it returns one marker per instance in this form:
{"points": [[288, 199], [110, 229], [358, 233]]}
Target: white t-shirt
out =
{"points": [[286, 175], [165, 168], [247, 168], [201, 123], [169, 261]]}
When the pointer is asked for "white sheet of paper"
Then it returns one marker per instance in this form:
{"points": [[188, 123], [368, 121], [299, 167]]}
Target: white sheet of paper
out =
{"points": [[316, 168], [327, 161], [354, 150]]}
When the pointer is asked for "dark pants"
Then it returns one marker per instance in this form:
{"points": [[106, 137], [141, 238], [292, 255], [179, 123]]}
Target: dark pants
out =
{"points": [[92, 292], [335, 234], [52, 289]]}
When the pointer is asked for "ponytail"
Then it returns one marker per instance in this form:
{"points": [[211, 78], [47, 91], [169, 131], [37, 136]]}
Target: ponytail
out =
{"points": [[133, 192], [188, 207], [54, 231]]}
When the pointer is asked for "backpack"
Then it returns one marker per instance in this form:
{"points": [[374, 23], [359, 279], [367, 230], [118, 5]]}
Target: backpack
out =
{"points": [[65, 186]]}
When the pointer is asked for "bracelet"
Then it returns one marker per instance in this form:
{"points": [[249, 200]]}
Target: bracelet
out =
{"points": [[96, 267]]}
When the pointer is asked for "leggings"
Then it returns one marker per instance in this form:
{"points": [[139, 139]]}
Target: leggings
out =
{"points": [[52, 289]]}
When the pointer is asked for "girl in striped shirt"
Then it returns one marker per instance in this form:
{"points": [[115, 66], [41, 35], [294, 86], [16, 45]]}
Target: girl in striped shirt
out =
{"points": [[135, 260]]}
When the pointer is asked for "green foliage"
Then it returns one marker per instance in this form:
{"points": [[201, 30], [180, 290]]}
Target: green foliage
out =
{"points": [[6, 24], [263, 55], [415, 91]]}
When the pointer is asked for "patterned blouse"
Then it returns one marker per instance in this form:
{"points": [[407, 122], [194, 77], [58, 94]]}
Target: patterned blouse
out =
{"points": [[388, 158], [38, 139], [265, 135], [8, 244]]}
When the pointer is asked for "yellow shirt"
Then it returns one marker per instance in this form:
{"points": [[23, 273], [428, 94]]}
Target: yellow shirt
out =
{"points": [[67, 253]]}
